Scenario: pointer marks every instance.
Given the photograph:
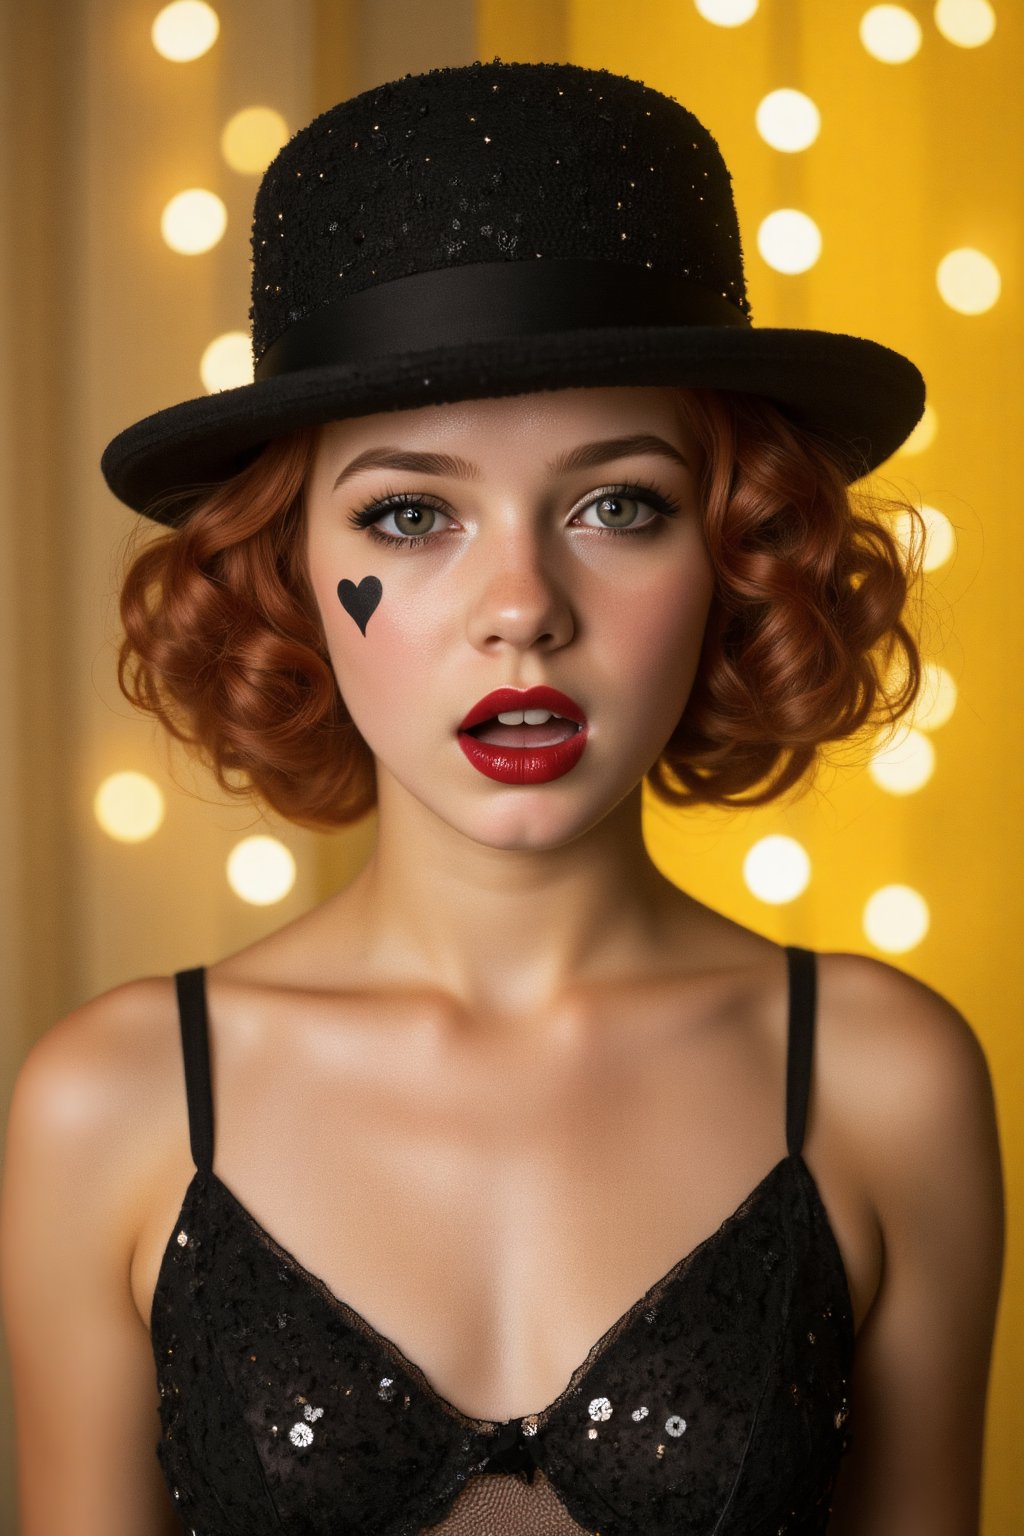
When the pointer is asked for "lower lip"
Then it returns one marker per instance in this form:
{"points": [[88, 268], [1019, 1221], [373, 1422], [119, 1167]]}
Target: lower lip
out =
{"points": [[524, 765]]}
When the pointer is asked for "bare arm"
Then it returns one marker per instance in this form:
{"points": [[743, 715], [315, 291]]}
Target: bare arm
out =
{"points": [[922, 1357], [84, 1379]]}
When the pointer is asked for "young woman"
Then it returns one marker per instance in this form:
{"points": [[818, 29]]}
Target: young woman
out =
{"points": [[512, 1189]]}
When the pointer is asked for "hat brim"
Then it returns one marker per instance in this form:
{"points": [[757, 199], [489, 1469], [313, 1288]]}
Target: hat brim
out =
{"points": [[862, 398]]}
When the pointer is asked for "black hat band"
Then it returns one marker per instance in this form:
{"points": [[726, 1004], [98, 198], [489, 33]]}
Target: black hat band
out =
{"points": [[491, 301]]}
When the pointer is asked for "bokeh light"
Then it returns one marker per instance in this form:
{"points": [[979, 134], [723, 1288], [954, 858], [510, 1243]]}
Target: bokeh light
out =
{"points": [[726, 13], [967, 23], [788, 120], [939, 535], [936, 702], [789, 240], [252, 138], [968, 281], [924, 433], [896, 918], [226, 362], [185, 30], [903, 763], [261, 870], [129, 806], [890, 33], [777, 869], [939, 538], [193, 221]]}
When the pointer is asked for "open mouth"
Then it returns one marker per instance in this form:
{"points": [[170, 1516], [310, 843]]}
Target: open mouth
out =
{"points": [[531, 728], [524, 735]]}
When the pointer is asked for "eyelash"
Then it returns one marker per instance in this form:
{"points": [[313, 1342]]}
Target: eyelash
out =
{"points": [[367, 516]]}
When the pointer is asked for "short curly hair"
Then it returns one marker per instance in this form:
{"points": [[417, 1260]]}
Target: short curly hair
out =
{"points": [[223, 641]]}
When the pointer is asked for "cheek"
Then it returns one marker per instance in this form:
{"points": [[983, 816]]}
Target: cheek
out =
{"points": [[379, 636], [661, 635]]}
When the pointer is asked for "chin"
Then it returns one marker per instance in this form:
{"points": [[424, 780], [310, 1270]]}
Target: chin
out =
{"points": [[535, 821], [523, 839], [516, 819]]}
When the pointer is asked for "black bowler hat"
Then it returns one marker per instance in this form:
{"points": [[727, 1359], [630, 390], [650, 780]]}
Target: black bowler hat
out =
{"points": [[490, 230]]}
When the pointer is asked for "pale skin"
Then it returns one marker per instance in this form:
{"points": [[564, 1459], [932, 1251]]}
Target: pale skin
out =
{"points": [[499, 1085]]}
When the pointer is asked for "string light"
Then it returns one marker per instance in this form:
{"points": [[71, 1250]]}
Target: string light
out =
{"points": [[129, 806], [967, 23], [227, 362], [252, 138], [890, 33], [777, 869], [896, 918], [968, 281], [788, 120], [903, 764], [789, 240], [936, 702], [726, 13], [185, 30], [261, 870], [193, 221]]}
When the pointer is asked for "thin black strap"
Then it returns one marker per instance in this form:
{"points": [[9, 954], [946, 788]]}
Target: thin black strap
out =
{"points": [[802, 1001], [195, 1045]]}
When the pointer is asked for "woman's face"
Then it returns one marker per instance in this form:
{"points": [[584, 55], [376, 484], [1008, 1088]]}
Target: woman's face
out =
{"points": [[549, 540]]}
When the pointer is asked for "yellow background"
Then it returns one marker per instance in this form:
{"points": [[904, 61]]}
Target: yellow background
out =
{"points": [[101, 324]]}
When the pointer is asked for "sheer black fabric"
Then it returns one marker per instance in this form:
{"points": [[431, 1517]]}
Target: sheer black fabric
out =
{"points": [[715, 1405]]}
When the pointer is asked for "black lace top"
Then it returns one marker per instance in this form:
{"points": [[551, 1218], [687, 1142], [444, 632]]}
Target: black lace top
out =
{"points": [[715, 1405]]}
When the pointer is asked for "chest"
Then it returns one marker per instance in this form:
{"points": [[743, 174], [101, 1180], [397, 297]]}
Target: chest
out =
{"points": [[491, 1210], [720, 1393]]}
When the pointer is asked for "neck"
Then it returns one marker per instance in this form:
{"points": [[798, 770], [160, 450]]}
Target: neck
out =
{"points": [[509, 932]]}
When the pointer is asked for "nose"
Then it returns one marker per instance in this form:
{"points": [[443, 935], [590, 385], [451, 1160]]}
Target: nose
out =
{"points": [[518, 600]]}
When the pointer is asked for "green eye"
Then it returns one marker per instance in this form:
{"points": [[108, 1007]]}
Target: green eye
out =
{"points": [[617, 511], [414, 519]]}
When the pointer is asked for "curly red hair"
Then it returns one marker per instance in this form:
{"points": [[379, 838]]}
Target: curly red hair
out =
{"points": [[223, 641], [806, 640]]}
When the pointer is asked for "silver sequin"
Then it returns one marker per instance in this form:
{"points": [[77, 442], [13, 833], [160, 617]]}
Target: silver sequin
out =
{"points": [[591, 1434], [600, 1409], [312, 1414], [386, 1389], [529, 1424], [300, 1434], [639, 1413], [675, 1426], [182, 1239]]}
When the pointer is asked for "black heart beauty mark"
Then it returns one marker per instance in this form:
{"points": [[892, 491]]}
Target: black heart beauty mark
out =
{"points": [[361, 602]]}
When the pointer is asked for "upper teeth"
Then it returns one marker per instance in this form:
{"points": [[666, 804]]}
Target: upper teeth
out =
{"points": [[528, 717]]}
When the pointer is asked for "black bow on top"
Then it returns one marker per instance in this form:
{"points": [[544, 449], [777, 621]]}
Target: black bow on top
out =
{"points": [[510, 1450]]}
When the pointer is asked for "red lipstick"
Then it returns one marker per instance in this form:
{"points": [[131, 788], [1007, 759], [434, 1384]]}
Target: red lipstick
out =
{"points": [[524, 764]]}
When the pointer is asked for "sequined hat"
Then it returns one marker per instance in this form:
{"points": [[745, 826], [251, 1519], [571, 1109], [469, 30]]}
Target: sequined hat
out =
{"points": [[494, 229]]}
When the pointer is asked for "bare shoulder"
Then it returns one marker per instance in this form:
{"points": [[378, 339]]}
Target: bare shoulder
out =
{"points": [[82, 1134], [89, 1088], [84, 1068], [911, 1066], [903, 1075]]}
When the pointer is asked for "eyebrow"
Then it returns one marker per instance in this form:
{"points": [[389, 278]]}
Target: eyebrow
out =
{"points": [[586, 456]]}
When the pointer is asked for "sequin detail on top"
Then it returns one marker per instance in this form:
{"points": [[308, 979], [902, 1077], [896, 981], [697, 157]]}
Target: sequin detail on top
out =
{"points": [[282, 1408]]}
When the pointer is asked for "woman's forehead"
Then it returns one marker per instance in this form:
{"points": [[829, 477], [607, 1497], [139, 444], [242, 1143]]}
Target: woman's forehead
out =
{"points": [[604, 411]]}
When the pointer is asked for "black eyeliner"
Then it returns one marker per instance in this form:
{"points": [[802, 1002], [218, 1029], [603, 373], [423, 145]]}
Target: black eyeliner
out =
{"points": [[362, 517], [365, 517]]}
